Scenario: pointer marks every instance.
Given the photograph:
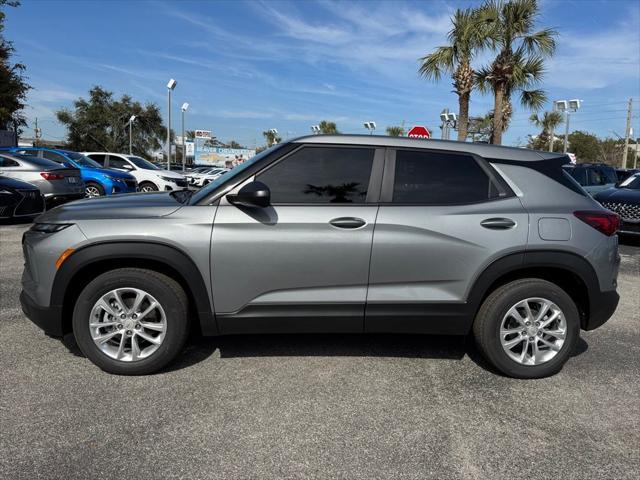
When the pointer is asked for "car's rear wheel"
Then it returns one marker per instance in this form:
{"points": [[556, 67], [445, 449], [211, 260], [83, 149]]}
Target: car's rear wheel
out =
{"points": [[131, 321], [92, 190], [148, 187], [527, 328]]}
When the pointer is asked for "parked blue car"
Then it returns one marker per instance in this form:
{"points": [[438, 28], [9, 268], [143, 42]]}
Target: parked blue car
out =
{"points": [[98, 181]]}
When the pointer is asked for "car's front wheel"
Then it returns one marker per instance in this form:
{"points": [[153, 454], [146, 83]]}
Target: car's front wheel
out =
{"points": [[527, 328], [148, 187], [131, 321], [92, 190]]}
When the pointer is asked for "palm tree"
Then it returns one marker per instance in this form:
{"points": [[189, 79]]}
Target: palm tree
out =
{"points": [[328, 128], [519, 65], [271, 137], [395, 131], [466, 38], [549, 122]]}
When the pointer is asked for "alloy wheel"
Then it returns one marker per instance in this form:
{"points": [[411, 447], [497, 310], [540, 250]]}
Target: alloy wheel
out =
{"points": [[128, 324], [91, 191], [533, 331], [147, 188]]}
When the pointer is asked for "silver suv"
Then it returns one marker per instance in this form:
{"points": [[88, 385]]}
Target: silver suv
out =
{"points": [[343, 234]]}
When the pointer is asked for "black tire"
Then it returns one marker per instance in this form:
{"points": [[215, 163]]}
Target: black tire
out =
{"points": [[486, 327], [152, 187], [166, 291], [99, 188]]}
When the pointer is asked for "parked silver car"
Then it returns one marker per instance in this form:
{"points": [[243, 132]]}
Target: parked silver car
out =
{"points": [[336, 233], [57, 183]]}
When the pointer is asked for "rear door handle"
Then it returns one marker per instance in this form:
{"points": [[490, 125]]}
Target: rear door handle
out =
{"points": [[347, 222], [498, 223]]}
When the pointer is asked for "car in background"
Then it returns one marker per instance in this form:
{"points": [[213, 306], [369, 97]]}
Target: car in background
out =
{"points": [[593, 177], [150, 178], [204, 177], [624, 199], [624, 173], [58, 184], [98, 181], [19, 199]]}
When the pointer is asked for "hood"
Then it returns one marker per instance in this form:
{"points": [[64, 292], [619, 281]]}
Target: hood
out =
{"points": [[111, 172], [133, 205], [6, 182], [619, 195]]}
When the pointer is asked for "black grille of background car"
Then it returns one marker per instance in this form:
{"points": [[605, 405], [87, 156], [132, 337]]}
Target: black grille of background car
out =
{"points": [[131, 183], [32, 202], [629, 212], [181, 183], [5, 211]]}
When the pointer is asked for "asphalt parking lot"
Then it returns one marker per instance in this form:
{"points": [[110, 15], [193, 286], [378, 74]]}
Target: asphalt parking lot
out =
{"points": [[317, 406]]}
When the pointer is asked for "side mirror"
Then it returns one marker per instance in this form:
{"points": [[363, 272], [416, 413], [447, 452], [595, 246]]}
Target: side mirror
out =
{"points": [[254, 194]]}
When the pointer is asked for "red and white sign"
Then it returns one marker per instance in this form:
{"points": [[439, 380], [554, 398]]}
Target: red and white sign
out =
{"points": [[203, 134], [419, 131]]}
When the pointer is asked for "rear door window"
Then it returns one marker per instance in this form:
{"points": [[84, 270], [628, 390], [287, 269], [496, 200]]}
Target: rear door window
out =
{"points": [[117, 162], [56, 157], [436, 178], [100, 158], [8, 162]]}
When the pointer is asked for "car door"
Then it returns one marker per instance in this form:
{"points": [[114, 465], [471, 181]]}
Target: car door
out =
{"points": [[443, 218], [301, 264]]}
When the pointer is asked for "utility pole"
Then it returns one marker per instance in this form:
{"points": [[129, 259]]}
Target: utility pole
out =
{"points": [[627, 134], [551, 140], [36, 134]]}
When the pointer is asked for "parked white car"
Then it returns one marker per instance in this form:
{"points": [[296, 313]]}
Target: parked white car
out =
{"points": [[203, 177], [150, 178]]}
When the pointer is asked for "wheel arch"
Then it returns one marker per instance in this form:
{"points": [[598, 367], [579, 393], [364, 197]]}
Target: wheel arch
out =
{"points": [[569, 271], [92, 260]]}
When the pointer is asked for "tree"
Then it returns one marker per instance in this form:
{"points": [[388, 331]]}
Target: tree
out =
{"points": [[549, 122], [481, 128], [100, 123], [234, 144], [328, 128], [395, 131], [272, 138], [190, 134], [13, 85], [519, 65], [466, 38], [585, 146]]}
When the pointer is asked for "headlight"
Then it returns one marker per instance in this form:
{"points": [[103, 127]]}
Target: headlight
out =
{"points": [[169, 179], [114, 179], [49, 227]]}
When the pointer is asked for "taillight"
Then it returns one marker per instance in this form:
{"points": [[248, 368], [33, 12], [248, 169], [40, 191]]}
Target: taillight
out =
{"points": [[51, 176], [605, 222]]}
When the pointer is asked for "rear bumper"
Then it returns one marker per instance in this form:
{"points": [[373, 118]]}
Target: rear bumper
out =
{"points": [[603, 305], [48, 319]]}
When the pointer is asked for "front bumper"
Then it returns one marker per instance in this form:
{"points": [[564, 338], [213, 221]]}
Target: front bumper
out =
{"points": [[48, 319]]}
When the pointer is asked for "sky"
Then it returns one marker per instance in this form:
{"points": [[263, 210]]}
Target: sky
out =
{"points": [[245, 67]]}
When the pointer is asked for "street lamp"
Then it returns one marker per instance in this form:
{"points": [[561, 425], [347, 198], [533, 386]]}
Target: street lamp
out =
{"points": [[185, 105], [567, 107], [449, 120], [170, 86], [371, 126], [315, 129], [130, 123]]}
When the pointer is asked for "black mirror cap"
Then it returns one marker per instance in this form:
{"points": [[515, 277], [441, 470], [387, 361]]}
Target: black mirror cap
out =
{"points": [[254, 194]]}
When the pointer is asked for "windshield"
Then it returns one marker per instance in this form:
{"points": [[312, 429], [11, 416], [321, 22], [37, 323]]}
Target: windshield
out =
{"points": [[82, 160], [632, 182], [214, 184], [142, 163]]}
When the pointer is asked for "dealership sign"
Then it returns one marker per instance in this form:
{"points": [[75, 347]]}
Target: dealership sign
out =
{"points": [[419, 131], [206, 134]]}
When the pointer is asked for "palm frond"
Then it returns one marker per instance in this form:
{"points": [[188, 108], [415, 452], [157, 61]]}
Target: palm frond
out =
{"points": [[442, 60], [533, 99], [542, 42], [483, 79]]}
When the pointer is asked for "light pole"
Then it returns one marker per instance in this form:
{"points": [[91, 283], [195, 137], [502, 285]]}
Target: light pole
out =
{"points": [[185, 105], [170, 86], [449, 120], [371, 126], [130, 123], [567, 108]]}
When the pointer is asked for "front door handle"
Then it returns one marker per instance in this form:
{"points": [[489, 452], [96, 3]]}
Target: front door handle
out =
{"points": [[498, 223], [348, 222]]}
